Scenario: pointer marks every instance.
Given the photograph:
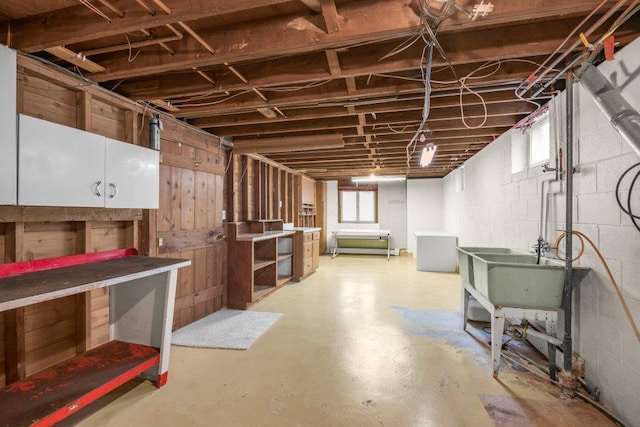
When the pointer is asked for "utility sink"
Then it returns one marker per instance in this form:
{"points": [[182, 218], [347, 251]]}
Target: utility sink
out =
{"points": [[465, 259], [517, 280]]}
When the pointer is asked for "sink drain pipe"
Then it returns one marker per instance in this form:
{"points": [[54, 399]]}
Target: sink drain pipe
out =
{"points": [[568, 382]]}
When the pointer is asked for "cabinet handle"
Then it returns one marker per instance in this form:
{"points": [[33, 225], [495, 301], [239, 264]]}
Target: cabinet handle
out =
{"points": [[98, 184], [115, 190]]}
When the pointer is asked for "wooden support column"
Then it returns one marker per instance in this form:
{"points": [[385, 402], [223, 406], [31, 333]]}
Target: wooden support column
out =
{"points": [[14, 335], [132, 237], [148, 233], [83, 111], [83, 300], [131, 130], [246, 189]]}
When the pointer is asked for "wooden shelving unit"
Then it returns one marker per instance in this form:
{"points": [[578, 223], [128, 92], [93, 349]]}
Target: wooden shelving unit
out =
{"points": [[307, 215], [140, 337], [260, 260]]}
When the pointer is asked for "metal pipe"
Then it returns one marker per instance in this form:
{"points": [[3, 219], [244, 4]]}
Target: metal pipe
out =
{"points": [[624, 118], [567, 300], [553, 340], [521, 91]]}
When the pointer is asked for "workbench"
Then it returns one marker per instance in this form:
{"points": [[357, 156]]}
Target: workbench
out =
{"points": [[142, 295], [350, 241]]}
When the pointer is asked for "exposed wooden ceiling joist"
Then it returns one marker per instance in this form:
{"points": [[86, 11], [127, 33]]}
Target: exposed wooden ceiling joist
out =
{"points": [[289, 69]]}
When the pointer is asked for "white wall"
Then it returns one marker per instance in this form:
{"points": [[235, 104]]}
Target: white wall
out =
{"points": [[332, 223], [392, 211], [500, 209], [424, 208]]}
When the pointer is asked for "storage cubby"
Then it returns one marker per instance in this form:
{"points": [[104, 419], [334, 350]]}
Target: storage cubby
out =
{"points": [[260, 260]]}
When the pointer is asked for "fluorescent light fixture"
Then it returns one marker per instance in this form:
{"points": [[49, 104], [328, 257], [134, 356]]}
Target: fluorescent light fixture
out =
{"points": [[378, 178], [428, 152]]}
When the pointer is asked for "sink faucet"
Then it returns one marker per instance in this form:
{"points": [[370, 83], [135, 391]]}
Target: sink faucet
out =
{"points": [[540, 248]]}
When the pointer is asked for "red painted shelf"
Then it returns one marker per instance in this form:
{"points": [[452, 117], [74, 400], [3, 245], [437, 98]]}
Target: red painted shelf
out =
{"points": [[53, 394]]}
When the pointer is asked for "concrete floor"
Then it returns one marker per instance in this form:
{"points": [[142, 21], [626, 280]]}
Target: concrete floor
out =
{"points": [[362, 342]]}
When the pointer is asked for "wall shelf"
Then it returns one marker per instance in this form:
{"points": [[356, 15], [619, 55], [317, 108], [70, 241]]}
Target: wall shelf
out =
{"points": [[260, 260]]}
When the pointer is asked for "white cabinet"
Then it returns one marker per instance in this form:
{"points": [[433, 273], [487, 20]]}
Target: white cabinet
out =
{"points": [[63, 166], [59, 165], [132, 176], [8, 156]]}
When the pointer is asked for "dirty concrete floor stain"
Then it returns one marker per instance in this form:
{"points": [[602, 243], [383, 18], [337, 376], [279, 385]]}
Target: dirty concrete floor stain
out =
{"points": [[341, 355]]}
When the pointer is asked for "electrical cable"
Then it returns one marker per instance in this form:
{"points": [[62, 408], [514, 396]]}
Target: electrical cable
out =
{"points": [[583, 237], [628, 209]]}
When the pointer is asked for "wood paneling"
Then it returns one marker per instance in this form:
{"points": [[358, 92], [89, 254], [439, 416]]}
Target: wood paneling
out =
{"points": [[191, 191], [49, 101]]}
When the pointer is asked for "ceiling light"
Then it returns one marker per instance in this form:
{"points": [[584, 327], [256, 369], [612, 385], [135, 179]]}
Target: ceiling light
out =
{"points": [[378, 178], [428, 152]]}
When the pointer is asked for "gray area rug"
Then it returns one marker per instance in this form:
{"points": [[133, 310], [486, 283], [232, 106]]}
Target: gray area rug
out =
{"points": [[232, 329]]}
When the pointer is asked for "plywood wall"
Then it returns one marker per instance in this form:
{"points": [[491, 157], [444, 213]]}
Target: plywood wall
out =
{"points": [[192, 169]]}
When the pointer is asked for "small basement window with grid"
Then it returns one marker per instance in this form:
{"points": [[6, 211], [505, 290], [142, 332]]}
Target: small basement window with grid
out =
{"points": [[358, 203]]}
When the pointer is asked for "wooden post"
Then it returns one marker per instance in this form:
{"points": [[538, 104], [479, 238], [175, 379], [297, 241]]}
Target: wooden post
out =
{"points": [[14, 319], [83, 300]]}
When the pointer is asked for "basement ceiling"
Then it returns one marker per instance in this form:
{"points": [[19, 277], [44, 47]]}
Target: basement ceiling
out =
{"points": [[315, 69]]}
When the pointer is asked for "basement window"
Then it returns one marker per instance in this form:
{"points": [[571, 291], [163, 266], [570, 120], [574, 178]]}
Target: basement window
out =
{"points": [[358, 204], [539, 142]]}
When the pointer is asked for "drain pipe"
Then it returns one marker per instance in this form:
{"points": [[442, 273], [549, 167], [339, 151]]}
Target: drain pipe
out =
{"points": [[568, 383]]}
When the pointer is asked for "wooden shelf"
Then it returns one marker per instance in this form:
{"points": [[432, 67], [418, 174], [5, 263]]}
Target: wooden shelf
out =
{"points": [[57, 392], [284, 279], [258, 262], [262, 263], [260, 290]]}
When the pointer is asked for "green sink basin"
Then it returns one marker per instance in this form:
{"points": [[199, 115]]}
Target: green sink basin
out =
{"points": [[465, 259], [516, 280]]}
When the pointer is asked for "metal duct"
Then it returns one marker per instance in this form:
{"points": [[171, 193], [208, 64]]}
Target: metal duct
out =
{"points": [[624, 118]]}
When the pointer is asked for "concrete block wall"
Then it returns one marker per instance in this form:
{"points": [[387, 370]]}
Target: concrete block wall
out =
{"points": [[498, 208]]}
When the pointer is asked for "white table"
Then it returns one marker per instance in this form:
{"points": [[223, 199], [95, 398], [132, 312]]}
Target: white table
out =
{"points": [[366, 242]]}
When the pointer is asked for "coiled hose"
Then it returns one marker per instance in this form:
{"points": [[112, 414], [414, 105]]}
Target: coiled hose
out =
{"points": [[582, 238]]}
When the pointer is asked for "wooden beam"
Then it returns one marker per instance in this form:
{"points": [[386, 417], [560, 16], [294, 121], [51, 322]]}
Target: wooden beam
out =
{"points": [[77, 59], [330, 14], [43, 214], [279, 145], [398, 120], [364, 21], [334, 62], [79, 24]]}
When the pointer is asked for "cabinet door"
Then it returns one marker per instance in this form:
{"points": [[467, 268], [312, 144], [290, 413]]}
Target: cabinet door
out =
{"points": [[8, 140], [133, 175], [59, 165]]}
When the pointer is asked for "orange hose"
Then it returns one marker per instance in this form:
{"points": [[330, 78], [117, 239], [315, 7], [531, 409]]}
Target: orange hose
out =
{"points": [[583, 237]]}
